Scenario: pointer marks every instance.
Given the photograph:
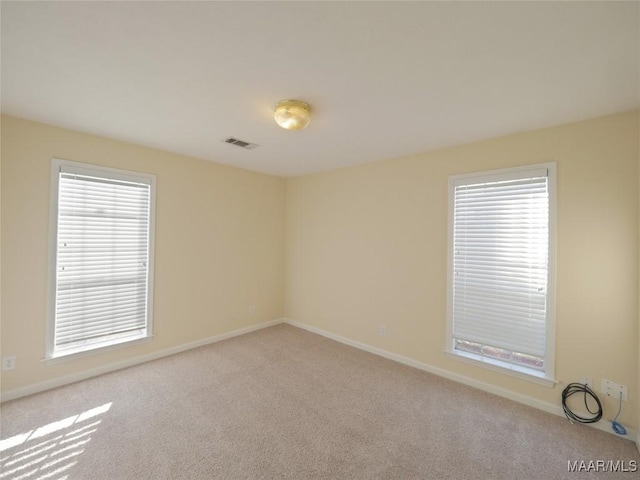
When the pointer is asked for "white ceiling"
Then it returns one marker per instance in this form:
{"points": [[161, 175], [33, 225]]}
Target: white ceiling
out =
{"points": [[384, 79]]}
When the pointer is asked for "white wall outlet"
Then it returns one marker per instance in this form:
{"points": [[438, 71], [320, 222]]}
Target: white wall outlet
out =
{"points": [[383, 330], [9, 362], [588, 381], [613, 390], [252, 309], [625, 393]]}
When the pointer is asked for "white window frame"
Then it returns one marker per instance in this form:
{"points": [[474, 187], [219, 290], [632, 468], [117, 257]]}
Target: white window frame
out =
{"points": [[53, 354], [545, 377]]}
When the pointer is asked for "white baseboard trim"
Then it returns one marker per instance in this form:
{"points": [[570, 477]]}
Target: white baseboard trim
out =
{"points": [[487, 387], [60, 381]]}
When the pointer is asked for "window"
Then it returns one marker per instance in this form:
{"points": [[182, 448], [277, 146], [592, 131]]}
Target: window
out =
{"points": [[501, 269], [101, 258]]}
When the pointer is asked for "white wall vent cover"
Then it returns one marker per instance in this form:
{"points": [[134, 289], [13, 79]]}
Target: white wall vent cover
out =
{"points": [[240, 143]]}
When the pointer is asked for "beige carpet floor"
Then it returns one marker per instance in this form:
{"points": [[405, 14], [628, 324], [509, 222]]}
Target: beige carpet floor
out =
{"points": [[282, 403]]}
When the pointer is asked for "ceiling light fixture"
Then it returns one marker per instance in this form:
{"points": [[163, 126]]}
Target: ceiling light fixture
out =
{"points": [[292, 114]]}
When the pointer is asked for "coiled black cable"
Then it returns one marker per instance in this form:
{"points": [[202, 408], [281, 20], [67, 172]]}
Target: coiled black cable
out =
{"points": [[580, 388]]}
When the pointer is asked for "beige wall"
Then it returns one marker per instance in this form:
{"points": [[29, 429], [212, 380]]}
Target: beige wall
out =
{"points": [[219, 245], [368, 246], [364, 246]]}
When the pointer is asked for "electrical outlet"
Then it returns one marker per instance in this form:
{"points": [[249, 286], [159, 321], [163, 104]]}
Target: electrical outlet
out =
{"points": [[252, 309], [613, 390], [588, 381], [383, 330], [625, 393], [9, 362]]}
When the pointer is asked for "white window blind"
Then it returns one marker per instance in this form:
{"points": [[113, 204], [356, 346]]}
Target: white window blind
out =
{"points": [[501, 265], [102, 259]]}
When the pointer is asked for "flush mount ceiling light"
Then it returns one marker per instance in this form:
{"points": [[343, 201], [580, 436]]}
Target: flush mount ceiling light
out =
{"points": [[292, 114]]}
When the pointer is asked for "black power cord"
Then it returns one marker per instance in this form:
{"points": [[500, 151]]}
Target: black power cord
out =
{"points": [[580, 388]]}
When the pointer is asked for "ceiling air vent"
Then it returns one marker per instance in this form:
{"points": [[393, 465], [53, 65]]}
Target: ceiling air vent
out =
{"points": [[240, 143]]}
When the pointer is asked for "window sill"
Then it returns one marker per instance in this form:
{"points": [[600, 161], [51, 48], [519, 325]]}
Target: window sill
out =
{"points": [[78, 353], [516, 371]]}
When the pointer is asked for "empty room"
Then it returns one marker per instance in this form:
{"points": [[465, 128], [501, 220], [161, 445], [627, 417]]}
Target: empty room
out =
{"points": [[319, 240]]}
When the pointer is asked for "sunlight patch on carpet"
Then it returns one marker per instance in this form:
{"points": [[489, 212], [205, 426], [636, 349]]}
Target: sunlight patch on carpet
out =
{"points": [[49, 451]]}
